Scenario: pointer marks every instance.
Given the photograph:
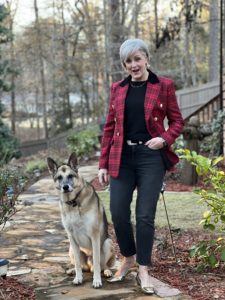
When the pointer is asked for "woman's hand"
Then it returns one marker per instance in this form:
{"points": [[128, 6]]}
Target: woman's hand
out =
{"points": [[103, 176], [155, 143]]}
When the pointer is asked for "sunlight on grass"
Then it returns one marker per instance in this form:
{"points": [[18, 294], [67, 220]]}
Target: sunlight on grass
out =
{"points": [[183, 209]]}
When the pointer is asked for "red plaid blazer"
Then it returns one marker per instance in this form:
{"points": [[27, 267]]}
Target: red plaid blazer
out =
{"points": [[160, 102]]}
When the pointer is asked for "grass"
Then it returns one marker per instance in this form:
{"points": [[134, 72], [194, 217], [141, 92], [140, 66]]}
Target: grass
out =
{"points": [[35, 164], [183, 209]]}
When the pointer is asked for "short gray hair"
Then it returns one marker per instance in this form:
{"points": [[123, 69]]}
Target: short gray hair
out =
{"points": [[130, 46]]}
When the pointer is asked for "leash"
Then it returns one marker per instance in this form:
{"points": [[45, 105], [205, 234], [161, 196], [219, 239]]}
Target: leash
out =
{"points": [[167, 216]]}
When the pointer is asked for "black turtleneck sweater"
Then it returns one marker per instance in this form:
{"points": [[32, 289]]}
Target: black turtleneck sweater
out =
{"points": [[134, 118]]}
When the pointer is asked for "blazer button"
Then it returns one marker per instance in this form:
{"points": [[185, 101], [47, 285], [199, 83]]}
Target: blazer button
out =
{"points": [[155, 119], [115, 120], [118, 134], [161, 105], [112, 106]]}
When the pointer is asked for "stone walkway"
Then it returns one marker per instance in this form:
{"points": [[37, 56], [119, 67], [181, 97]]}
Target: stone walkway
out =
{"points": [[36, 245]]}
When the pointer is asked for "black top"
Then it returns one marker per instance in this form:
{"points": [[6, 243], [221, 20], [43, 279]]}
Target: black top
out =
{"points": [[134, 118]]}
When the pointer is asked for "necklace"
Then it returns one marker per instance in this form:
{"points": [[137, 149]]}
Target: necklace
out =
{"points": [[137, 86]]}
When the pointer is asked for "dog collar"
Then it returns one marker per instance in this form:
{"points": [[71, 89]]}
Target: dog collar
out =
{"points": [[74, 201]]}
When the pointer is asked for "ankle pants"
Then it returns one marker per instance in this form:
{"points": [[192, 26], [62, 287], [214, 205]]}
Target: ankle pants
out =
{"points": [[142, 169]]}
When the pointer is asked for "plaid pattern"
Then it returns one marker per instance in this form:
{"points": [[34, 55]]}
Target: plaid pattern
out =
{"points": [[160, 102]]}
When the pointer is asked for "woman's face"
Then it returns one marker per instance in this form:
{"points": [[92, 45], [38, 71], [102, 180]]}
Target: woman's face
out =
{"points": [[135, 65]]}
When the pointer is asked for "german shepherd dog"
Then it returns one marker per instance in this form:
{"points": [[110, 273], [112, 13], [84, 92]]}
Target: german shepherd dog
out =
{"points": [[84, 219]]}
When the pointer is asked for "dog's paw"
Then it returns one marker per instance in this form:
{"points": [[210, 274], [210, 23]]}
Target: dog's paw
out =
{"points": [[97, 283], [78, 280], [108, 273]]}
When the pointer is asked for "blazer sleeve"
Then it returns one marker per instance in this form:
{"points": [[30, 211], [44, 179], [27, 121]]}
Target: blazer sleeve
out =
{"points": [[108, 133], [175, 119]]}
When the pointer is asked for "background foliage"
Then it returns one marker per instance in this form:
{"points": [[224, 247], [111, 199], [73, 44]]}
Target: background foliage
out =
{"points": [[84, 142], [68, 57]]}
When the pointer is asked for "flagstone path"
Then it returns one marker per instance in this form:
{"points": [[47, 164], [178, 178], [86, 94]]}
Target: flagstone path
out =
{"points": [[36, 245]]}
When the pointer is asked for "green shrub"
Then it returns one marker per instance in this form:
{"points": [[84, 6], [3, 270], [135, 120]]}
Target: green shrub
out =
{"points": [[11, 185], [84, 142], [213, 195], [9, 145], [38, 164], [211, 253]]}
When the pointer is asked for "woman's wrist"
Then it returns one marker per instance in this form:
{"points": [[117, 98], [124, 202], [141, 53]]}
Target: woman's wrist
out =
{"points": [[165, 144]]}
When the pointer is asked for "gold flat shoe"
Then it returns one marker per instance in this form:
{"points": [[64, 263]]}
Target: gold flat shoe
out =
{"points": [[114, 279], [145, 289], [118, 278]]}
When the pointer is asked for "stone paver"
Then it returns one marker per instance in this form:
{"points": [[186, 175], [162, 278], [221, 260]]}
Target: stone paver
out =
{"points": [[36, 245]]}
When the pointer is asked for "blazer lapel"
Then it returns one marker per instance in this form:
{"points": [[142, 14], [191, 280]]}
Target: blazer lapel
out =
{"points": [[120, 97]]}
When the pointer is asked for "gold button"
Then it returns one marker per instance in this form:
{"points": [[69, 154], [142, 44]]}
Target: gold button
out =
{"points": [[155, 119], [117, 133]]}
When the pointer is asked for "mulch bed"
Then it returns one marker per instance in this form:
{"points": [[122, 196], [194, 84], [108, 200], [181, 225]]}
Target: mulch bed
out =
{"points": [[12, 289], [181, 274]]}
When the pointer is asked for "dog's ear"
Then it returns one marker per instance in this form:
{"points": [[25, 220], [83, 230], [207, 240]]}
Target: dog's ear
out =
{"points": [[52, 166], [72, 161]]}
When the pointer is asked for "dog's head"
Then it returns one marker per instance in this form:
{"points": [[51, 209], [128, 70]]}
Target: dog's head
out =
{"points": [[65, 176]]}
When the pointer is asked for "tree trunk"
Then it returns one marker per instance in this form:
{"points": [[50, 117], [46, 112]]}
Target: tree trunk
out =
{"points": [[53, 72], [115, 40], [13, 77], [187, 59], [66, 70], [135, 19], [213, 41], [41, 65], [12, 63], [37, 112], [107, 54], [156, 32], [193, 58]]}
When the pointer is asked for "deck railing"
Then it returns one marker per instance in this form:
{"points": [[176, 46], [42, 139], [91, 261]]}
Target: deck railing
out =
{"points": [[207, 112], [191, 100]]}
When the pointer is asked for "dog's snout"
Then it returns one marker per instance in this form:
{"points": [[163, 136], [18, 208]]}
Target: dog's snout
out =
{"points": [[66, 187]]}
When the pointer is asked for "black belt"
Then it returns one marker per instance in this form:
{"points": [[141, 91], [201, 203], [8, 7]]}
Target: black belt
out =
{"points": [[135, 142]]}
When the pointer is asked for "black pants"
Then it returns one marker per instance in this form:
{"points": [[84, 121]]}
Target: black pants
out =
{"points": [[144, 169]]}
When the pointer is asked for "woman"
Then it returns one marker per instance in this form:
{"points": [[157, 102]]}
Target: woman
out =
{"points": [[136, 152]]}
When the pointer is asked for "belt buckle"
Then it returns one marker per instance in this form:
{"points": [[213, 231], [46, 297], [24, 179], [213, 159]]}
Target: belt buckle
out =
{"points": [[130, 143]]}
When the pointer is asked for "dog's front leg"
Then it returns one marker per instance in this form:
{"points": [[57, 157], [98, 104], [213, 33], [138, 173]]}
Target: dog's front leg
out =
{"points": [[78, 270], [97, 281]]}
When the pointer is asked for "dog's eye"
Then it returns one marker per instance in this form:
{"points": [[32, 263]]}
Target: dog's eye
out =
{"points": [[70, 176], [60, 177]]}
